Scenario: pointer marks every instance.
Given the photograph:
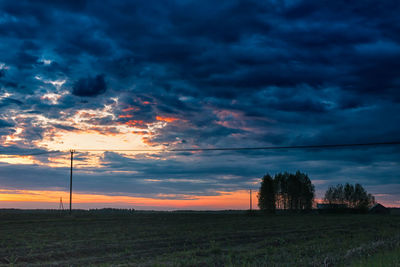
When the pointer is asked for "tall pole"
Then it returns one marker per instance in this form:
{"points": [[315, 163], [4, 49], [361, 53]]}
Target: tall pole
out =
{"points": [[70, 182], [250, 201], [61, 207]]}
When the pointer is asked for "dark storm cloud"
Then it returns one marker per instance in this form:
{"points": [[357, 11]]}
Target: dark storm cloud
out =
{"points": [[232, 73], [4, 123], [26, 60], [6, 128], [273, 45], [10, 101], [90, 86]]}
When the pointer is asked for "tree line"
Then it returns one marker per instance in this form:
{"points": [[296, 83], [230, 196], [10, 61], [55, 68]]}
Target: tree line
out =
{"points": [[286, 191], [353, 196], [295, 192]]}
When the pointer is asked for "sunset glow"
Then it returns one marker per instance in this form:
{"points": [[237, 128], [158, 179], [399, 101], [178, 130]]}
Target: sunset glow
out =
{"points": [[225, 200]]}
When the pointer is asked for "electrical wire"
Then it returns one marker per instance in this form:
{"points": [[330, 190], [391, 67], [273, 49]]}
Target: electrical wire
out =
{"points": [[323, 146], [246, 148]]}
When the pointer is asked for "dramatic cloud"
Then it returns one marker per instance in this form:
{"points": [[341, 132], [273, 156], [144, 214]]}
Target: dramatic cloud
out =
{"points": [[182, 74], [4, 124], [90, 86]]}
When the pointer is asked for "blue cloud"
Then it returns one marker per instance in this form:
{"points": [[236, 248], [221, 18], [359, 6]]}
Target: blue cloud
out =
{"points": [[90, 86]]}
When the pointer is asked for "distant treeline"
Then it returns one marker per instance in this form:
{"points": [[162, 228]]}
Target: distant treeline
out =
{"points": [[351, 196], [295, 192]]}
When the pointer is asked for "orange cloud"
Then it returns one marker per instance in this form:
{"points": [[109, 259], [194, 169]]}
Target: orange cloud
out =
{"points": [[125, 116], [134, 123], [166, 119], [141, 132], [130, 109], [147, 141]]}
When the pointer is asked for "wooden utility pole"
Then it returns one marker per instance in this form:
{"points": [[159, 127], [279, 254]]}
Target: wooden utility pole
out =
{"points": [[70, 182]]}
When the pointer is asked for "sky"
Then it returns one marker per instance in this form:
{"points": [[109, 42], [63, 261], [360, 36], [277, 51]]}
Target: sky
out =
{"points": [[178, 74]]}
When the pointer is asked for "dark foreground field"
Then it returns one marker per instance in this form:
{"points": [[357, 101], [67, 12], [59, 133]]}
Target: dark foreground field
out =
{"points": [[198, 239]]}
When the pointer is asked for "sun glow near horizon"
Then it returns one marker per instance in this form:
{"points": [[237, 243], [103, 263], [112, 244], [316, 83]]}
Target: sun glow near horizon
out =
{"points": [[220, 201]]}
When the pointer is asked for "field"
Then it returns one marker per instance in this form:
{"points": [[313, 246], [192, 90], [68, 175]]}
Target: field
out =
{"points": [[197, 239]]}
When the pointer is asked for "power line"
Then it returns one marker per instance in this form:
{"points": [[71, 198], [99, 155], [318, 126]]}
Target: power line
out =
{"points": [[326, 146], [245, 148]]}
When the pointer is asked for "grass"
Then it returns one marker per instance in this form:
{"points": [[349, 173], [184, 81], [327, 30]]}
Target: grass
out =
{"points": [[384, 258], [198, 239]]}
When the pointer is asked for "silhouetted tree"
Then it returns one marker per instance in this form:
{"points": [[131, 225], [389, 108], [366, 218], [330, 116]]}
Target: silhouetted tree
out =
{"points": [[361, 199], [307, 191], [266, 195], [355, 197], [281, 190], [348, 194], [291, 191]]}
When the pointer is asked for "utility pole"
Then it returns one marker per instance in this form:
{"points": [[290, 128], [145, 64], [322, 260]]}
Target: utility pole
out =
{"points": [[250, 201], [70, 182], [61, 206]]}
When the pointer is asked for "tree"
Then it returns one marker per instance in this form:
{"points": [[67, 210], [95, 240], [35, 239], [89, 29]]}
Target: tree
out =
{"points": [[329, 196], [307, 191], [361, 199], [266, 195], [281, 190], [348, 194], [289, 191], [355, 197], [335, 195], [300, 191]]}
